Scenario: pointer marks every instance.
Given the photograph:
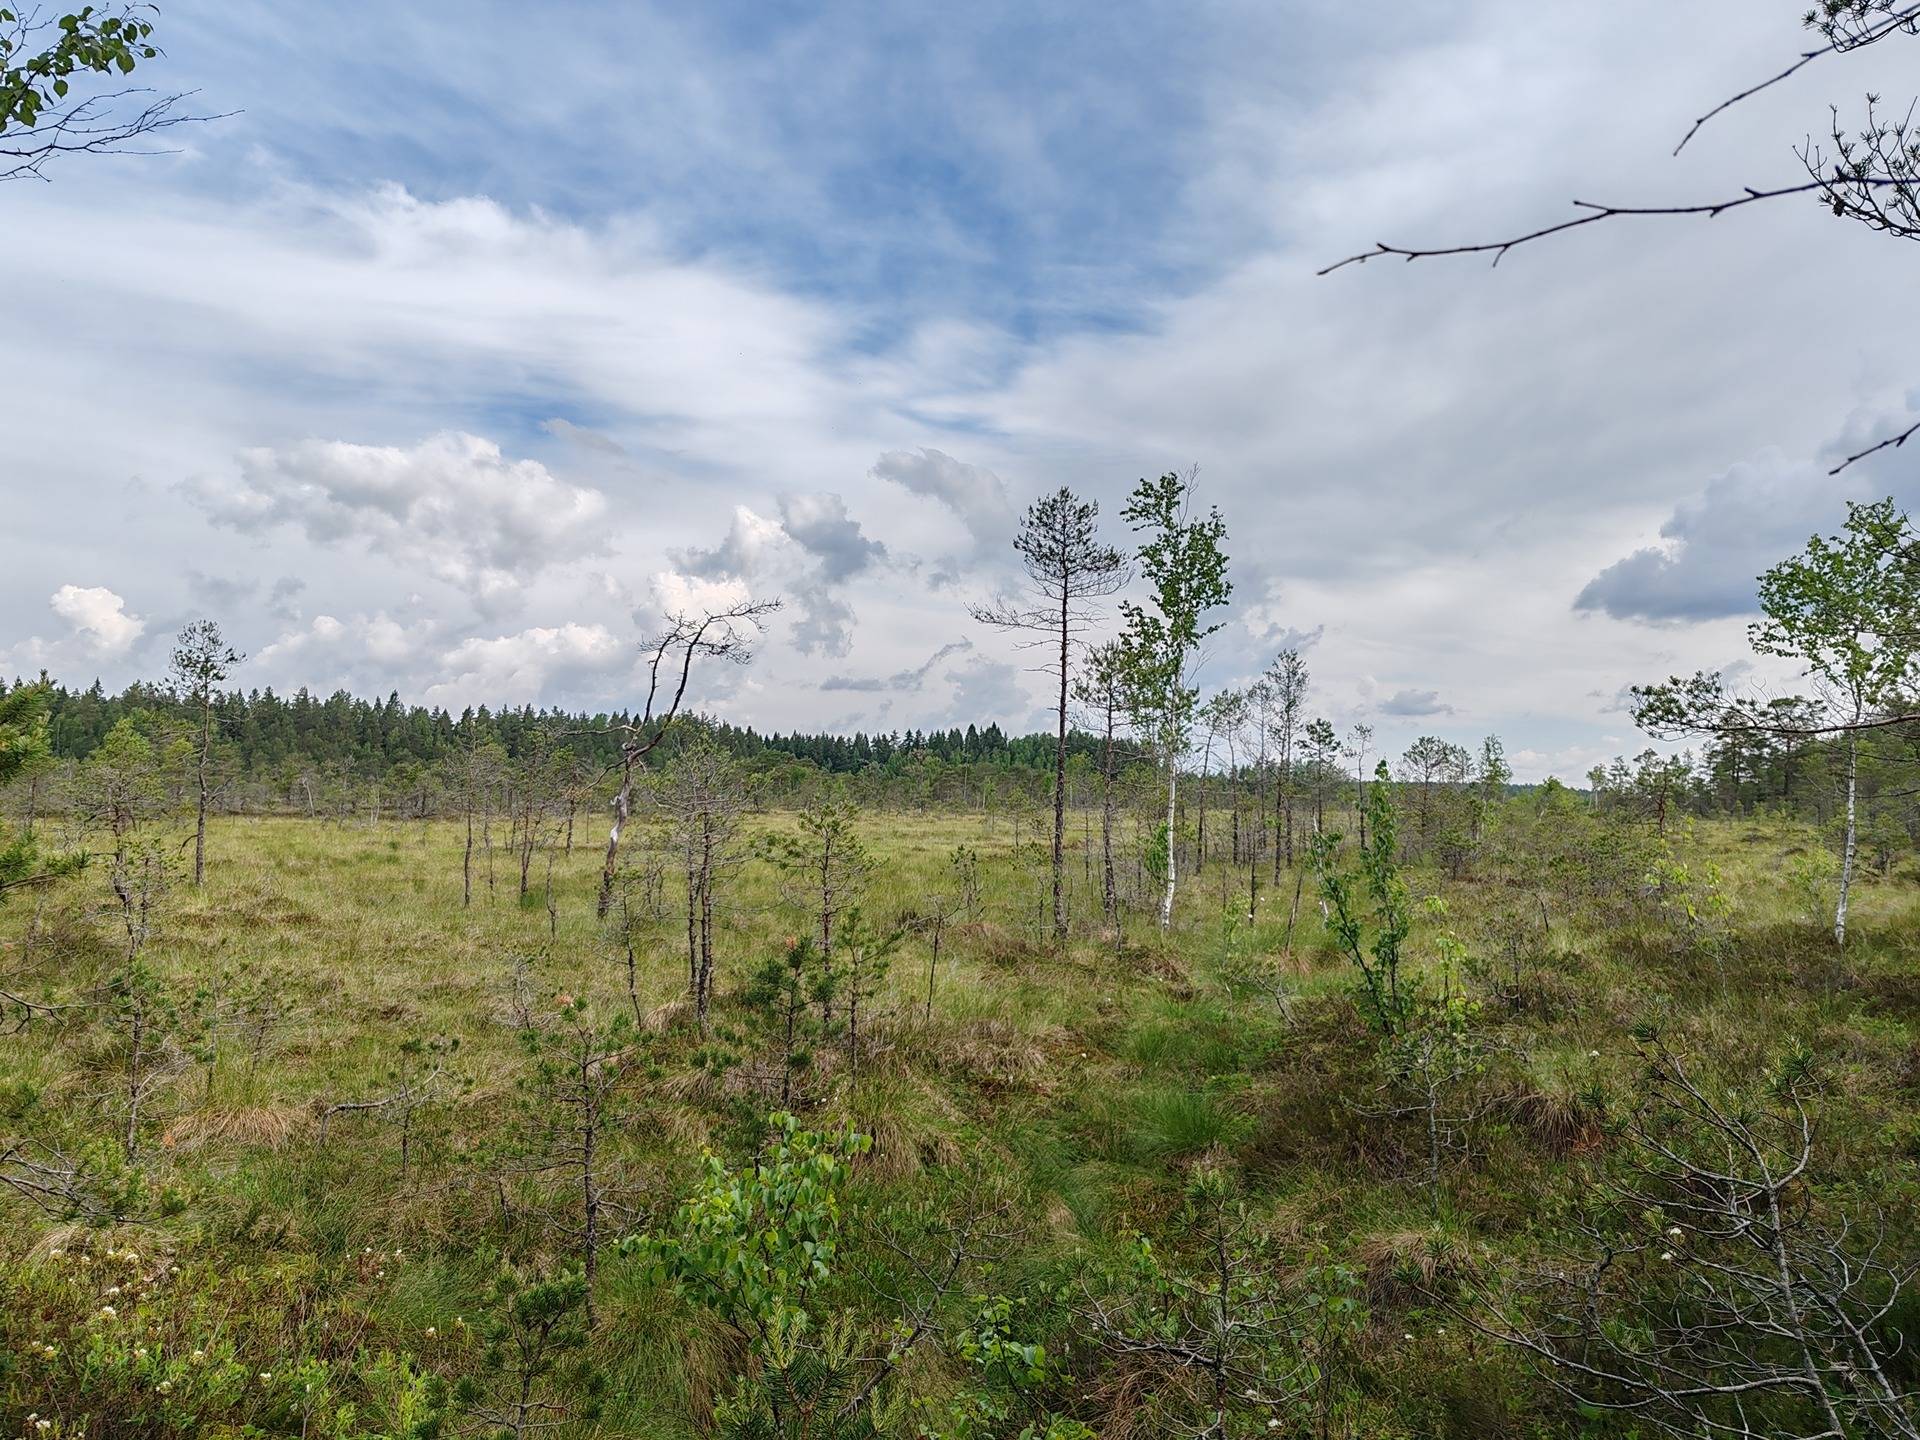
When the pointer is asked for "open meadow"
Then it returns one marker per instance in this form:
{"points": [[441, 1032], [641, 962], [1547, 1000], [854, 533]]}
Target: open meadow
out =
{"points": [[266, 1177]]}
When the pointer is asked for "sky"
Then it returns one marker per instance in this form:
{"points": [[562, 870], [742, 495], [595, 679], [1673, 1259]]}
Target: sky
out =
{"points": [[472, 340]]}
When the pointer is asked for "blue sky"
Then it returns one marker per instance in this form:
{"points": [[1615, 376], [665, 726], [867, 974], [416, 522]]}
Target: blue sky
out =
{"points": [[478, 335]]}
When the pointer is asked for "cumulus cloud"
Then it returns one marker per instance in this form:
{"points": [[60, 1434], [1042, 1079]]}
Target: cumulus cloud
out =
{"points": [[451, 505], [1715, 544], [821, 526], [522, 668], [810, 552], [375, 653], [329, 652], [677, 593], [1413, 703], [975, 495], [99, 628], [98, 618], [752, 547]]}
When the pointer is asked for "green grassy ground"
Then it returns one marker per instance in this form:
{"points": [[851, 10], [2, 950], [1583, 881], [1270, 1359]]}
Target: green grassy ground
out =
{"points": [[1082, 1089]]}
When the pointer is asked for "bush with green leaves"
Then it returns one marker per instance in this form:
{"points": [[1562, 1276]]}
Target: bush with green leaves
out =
{"points": [[1386, 997], [754, 1246]]}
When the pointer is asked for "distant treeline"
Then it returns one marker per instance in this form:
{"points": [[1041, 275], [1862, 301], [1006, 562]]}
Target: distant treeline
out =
{"points": [[264, 732], [305, 752]]}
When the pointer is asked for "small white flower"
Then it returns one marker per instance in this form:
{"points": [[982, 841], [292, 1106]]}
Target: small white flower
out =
{"points": [[165, 1387], [48, 1351], [53, 1254], [113, 1290], [173, 1270], [1409, 1337], [199, 1357], [1666, 1255], [43, 1425], [431, 1332], [107, 1312], [1675, 1233], [132, 1257], [265, 1376], [1593, 1054], [139, 1352]]}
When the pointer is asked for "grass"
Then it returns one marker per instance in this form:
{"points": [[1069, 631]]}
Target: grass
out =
{"points": [[1082, 1089]]}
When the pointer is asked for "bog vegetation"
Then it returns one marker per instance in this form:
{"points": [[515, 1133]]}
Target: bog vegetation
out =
{"points": [[1191, 1070]]}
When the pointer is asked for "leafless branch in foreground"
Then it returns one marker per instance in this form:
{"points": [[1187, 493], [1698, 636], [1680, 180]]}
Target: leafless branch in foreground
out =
{"points": [[1724, 1300]]}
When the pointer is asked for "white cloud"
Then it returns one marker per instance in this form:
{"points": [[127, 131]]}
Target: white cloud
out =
{"points": [[98, 617], [522, 668], [976, 495], [451, 505], [375, 653], [677, 593], [99, 632]]}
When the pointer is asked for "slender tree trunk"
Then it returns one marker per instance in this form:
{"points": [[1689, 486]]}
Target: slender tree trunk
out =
{"points": [[466, 862], [1852, 835], [1060, 783], [1200, 834], [200, 823], [1173, 861], [589, 1190], [1109, 900]]}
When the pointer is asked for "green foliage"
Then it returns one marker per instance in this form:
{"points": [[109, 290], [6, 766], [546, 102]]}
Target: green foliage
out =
{"points": [[1008, 1382], [24, 747], [1255, 1337], [99, 40], [1386, 997], [534, 1373], [1185, 567], [753, 1244], [1847, 607], [792, 995]]}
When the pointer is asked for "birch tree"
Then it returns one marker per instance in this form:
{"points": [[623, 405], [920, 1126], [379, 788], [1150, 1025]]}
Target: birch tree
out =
{"points": [[202, 661], [1287, 702], [1186, 569], [1848, 610], [1102, 689]]}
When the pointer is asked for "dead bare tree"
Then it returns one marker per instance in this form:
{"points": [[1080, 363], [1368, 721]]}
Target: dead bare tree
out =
{"points": [[715, 635], [1725, 1299], [704, 798]]}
